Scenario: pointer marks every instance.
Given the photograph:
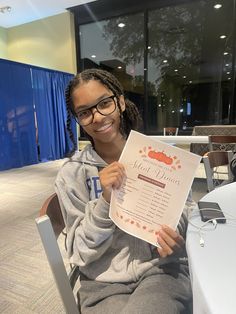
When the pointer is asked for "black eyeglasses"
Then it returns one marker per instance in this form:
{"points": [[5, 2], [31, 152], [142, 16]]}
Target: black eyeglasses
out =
{"points": [[105, 107]]}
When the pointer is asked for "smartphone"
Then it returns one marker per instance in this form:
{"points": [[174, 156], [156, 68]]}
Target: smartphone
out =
{"points": [[207, 211]]}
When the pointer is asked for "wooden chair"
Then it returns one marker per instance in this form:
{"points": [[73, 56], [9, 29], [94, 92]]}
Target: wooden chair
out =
{"points": [[170, 131], [222, 142], [50, 225], [212, 161], [52, 209]]}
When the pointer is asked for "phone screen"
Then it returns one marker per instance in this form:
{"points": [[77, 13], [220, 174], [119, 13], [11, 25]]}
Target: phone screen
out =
{"points": [[207, 211]]}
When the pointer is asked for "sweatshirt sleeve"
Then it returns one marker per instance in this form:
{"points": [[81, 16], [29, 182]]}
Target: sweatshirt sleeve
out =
{"points": [[89, 228]]}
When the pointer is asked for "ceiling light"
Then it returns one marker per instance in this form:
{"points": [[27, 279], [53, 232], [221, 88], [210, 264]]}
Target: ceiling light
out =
{"points": [[217, 6], [226, 64], [176, 70], [222, 36], [149, 47], [226, 53], [121, 25], [184, 76], [119, 67], [165, 61], [93, 56], [228, 73], [6, 9], [190, 82]]}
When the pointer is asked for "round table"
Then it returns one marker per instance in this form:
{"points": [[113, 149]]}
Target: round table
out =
{"points": [[213, 267]]}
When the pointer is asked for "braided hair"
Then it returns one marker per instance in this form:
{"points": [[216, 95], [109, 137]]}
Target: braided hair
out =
{"points": [[129, 118]]}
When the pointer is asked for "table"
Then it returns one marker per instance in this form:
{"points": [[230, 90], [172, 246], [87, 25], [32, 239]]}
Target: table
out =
{"points": [[205, 130], [171, 139], [181, 139], [213, 267]]}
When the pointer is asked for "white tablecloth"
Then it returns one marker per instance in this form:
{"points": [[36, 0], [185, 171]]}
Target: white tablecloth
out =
{"points": [[213, 267], [181, 139]]}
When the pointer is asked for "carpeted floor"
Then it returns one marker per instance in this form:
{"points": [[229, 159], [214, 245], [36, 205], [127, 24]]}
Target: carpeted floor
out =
{"points": [[26, 284]]}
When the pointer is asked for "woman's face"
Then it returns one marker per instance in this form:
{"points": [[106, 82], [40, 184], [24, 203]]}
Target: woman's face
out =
{"points": [[103, 129]]}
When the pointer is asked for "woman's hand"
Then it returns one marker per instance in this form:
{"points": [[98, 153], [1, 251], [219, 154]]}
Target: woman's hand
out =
{"points": [[111, 177], [169, 240]]}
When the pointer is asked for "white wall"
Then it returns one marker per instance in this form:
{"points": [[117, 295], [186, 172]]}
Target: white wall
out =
{"points": [[3, 43], [47, 43]]}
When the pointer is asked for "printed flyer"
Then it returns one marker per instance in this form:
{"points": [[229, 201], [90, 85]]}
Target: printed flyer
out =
{"points": [[158, 179]]}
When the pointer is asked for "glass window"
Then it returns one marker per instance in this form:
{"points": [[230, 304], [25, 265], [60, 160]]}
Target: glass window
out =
{"points": [[189, 65], [117, 45], [175, 62]]}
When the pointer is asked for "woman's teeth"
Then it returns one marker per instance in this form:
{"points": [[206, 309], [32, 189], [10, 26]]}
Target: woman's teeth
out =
{"points": [[103, 128]]}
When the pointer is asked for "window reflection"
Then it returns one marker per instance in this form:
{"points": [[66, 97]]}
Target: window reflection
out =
{"points": [[189, 65], [117, 45], [187, 51]]}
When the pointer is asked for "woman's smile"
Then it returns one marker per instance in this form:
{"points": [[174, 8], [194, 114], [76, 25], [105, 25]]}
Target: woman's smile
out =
{"points": [[104, 128]]}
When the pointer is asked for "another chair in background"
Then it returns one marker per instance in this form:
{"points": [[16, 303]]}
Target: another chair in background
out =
{"points": [[215, 176], [222, 142], [170, 131], [50, 225]]}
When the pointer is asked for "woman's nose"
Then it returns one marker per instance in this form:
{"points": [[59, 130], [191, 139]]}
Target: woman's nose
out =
{"points": [[96, 114]]}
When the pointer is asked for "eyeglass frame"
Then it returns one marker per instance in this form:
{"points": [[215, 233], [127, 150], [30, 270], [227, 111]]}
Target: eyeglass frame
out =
{"points": [[95, 106]]}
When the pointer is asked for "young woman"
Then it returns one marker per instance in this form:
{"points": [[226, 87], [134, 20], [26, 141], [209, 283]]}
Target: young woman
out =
{"points": [[120, 273]]}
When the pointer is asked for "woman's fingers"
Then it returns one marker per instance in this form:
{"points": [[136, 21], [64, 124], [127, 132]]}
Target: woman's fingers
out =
{"points": [[172, 235], [111, 177], [114, 180], [170, 241], [164, 250]]}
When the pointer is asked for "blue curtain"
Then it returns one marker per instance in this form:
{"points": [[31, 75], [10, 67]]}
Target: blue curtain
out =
{"points": [[17, 123], [49, 90], [32, 115]]}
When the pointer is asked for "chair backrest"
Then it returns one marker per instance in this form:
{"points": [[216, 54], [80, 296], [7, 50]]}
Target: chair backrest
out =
{"points": [[170, 131], [215, 159], [50, 224], [52, 209], [222, 142]]}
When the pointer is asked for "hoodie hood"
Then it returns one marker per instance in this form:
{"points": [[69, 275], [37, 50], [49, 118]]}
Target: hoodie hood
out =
{"points": [[88, 156]]}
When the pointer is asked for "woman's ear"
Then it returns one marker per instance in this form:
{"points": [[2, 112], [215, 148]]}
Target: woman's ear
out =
{"points": [[122, 103]]}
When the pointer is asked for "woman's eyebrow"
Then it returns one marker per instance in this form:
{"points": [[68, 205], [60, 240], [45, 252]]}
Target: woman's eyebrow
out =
{"points": [[87, 106]]}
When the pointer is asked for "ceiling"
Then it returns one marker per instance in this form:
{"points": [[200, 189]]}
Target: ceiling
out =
{"points": [[25, 11]]}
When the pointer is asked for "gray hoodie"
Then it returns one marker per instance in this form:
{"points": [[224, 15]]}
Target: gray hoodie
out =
{"points": [[101, 250]]}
